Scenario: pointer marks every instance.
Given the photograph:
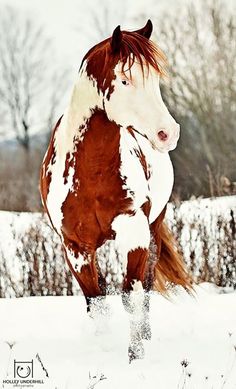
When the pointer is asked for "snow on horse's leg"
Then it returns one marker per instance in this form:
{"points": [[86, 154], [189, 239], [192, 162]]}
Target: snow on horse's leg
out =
{"points": [[146, 332], [132, 241], [99, 311], [133, 303]]}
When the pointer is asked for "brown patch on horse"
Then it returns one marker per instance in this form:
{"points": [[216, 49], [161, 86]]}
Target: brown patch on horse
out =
{"points": [[136, 265], [146, 208], [88, 214], [133, 47], [69, 162], [170, 266], [139, 154]]}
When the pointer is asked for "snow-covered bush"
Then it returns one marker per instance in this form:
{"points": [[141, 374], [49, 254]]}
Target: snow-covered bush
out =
{"points": [[206, 232], [35, 264], [32, 262]]}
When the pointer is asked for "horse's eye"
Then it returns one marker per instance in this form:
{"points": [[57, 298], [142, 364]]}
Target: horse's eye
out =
{"points": [[125, 82]]}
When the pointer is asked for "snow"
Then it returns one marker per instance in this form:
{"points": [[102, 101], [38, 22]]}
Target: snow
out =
{"points": [[193, 342], [192, 347]]}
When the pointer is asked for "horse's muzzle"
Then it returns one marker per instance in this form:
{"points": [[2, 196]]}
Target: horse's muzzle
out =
{"points": [[167, 139]]}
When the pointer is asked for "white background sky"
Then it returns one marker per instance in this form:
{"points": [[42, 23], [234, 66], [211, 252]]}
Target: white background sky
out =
{"points": [[69, 22]]}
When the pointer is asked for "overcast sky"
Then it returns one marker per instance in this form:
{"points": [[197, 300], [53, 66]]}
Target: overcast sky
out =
{"points": [[70, 25]]}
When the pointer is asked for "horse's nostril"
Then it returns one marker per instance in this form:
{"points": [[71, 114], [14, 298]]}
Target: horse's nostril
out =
{"points": [[162, 135]]}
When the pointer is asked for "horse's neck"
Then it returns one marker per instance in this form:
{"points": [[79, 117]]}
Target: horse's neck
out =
{"points": [[84, 99]]}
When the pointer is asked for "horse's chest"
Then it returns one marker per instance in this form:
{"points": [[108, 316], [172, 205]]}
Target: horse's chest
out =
{"points": [[147, 173]]}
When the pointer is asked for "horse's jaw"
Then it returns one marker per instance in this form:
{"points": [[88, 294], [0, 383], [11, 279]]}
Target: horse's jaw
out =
{"points": [[164, 149]]}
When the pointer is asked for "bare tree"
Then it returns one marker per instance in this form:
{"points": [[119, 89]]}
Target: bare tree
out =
{"points": [[28, 77], [104, 19], [203, 92], [200, 43]]}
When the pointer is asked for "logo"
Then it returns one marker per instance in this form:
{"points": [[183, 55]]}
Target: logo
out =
{"points": [[26, 374], [23, 369]]}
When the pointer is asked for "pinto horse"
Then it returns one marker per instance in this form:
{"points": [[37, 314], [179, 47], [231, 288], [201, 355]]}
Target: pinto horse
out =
{"points": [[107, 174]]}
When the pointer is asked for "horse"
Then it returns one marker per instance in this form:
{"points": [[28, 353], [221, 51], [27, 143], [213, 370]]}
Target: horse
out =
{"points": [[107, 175]]}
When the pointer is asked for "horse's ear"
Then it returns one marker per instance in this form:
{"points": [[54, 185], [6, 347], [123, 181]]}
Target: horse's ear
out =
{"points": [[146, 31], [116, 40]]}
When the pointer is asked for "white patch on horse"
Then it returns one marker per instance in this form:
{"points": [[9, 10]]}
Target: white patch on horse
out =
{"points": [[137, 298], [161, 176], [131, 169], [84, 99], [132, 232], [137, 285], [76, 262], [159, 186]]}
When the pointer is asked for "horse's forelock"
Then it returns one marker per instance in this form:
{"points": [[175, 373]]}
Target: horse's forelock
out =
{"points": [[134, 47]]}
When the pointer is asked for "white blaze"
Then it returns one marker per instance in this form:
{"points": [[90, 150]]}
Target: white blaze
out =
{"points": [[139, 104]]}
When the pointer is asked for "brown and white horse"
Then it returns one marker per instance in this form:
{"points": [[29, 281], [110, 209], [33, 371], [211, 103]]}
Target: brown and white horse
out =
{"points": [[107, 174]]}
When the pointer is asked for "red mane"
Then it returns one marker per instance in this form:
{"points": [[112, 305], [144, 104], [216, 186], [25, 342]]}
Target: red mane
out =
{"points": [[134, 48]]}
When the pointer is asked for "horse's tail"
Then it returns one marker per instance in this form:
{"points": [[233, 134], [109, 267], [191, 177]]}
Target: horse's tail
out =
{"points": [[170, 267]]}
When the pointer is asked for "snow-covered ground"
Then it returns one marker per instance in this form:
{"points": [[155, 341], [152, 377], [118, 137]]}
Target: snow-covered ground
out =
{"points": [[193, 344]]}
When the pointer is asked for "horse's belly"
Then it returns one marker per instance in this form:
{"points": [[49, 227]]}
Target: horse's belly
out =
{"points": [[160, 183]]}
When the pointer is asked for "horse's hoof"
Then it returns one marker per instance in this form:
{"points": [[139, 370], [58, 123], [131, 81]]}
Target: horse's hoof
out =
{"points": [[135, 351]]}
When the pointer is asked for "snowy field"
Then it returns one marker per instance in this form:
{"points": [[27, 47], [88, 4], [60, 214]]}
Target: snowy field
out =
{"points": [[193, 344]]}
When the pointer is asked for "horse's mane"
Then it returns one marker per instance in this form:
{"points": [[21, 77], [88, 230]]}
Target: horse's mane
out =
{"points": [[133, 48]]}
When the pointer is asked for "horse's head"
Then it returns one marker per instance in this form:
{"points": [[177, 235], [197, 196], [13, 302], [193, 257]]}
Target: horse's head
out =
{"points": [[127, 68]]}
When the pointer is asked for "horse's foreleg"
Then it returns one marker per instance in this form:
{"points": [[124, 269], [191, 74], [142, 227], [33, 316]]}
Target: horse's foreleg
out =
{"points": [[84, 269], [146, 332], [86, 273], [134, 300], [132, 239]]}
